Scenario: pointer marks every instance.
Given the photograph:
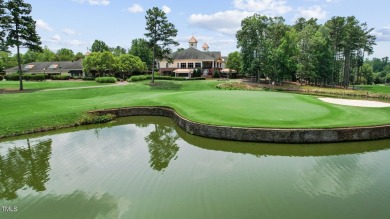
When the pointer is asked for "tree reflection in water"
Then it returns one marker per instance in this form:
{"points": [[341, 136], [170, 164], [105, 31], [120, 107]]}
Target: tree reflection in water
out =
{"points": [[22, 167], [162, 146]]}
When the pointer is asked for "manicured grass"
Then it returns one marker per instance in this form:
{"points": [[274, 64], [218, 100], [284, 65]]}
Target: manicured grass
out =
{"points": [[40, 85], [196, 100], [376, 88]]}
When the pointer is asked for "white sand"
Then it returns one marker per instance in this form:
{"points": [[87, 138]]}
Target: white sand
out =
{"points": [[361, 103]]}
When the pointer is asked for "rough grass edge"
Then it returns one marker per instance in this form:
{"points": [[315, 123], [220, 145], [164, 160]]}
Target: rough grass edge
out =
{"points": [[86, 119]]}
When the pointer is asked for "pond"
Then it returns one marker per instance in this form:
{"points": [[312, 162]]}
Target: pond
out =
{"points": [[147, 167]]}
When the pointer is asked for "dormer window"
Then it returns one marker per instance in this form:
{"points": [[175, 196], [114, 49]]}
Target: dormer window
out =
{"points": [[53, 66]]}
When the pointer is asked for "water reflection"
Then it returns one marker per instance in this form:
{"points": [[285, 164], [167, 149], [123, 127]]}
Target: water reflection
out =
{"points": [[78, 205], [24, 166], [162, 146], [338, 176]]}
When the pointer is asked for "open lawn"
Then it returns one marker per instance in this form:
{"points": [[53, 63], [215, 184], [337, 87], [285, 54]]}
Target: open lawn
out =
{"points": [[40, 85], [196, 100], [376, 88]]}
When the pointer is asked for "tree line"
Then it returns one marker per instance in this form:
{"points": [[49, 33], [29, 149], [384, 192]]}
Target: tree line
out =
{"points": [[323, 54], [18, 29]]}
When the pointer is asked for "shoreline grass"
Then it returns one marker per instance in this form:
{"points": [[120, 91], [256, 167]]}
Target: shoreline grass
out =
{"points": [[198, 101]]}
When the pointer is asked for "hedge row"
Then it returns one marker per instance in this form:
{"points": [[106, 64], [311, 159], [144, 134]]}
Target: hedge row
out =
{"points": [[137, 78], [106, 80], [37, 77], [27, 77], [60, 77], [148, 77]]}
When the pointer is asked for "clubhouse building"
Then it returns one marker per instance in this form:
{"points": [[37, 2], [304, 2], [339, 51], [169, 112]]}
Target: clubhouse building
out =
{"points": [[187, 60]]}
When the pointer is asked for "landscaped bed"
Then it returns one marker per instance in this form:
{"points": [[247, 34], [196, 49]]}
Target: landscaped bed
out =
{"points": [[198, 101]]}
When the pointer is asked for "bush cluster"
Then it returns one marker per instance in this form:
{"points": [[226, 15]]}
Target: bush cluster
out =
{"points": [[188, 79], [167, 78], [1, 77], [94, 119], [237, 86], [106, 80], [216, 74], [60, 77], [36, 77], [137, 78], [88, 78], [197, 73], [12, 77]]}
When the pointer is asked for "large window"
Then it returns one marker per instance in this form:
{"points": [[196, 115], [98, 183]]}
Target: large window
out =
{"points": [[190, 65], [183, 65], [198, 65], [167, 65]]}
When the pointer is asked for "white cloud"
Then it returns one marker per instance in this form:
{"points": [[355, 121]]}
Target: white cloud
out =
{"points": [[382, 34], [312, 12], [227, 22], [55, 38], [69, 31], [136, 8], [74, 43], [166, 9], [268, 7], [43, 25], [95, 2]]}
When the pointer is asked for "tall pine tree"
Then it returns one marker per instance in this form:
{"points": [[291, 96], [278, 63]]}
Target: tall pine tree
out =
{"points": [[160, 33], [3, 25], [21, 30]]}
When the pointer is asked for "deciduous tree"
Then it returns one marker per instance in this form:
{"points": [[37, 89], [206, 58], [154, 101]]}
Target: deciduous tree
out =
{"points": [[234, 61], [101, 62], [99, 46], [65, 54], [140, 47]]}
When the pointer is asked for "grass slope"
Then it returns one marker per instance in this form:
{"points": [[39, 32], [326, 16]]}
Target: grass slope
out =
{"points": [[196, 100], [376, 88], [40, 85]]}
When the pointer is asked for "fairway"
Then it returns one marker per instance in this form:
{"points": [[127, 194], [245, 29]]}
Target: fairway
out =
{"points": [[198, 101]]}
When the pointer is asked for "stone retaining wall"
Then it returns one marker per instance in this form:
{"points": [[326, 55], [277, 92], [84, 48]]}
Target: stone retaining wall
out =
{"points": [[258, 134]]}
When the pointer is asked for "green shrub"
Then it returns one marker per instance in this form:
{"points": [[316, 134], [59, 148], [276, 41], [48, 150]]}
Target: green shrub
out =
{"points": [[216, 74], [238, 86], [60, 77], [94, 119], [12, 77], [197, 79], [35, 77], [179, 79], [1, 77], [137, 78], [106, 80], [197, 73], [88, 78]]}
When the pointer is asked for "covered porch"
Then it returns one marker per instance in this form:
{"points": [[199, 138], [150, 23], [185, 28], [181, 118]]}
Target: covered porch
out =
{"points": [[183, 73]]}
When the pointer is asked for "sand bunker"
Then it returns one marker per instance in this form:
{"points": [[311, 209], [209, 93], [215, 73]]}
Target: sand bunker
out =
{"points": [[361, 103]]}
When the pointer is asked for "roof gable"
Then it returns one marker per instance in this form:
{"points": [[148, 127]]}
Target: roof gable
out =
{"points": [[193, 40], [192, 53]]}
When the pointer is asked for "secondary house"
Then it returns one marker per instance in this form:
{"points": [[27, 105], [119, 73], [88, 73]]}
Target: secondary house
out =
{"points": [[71, 68], [185, 61]]}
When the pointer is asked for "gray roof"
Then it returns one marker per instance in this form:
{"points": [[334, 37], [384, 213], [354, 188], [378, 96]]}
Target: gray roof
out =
{"points": [[192, 53], [50, 67]]}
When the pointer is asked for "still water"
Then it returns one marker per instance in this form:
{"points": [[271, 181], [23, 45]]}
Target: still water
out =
{"points": [[147, 167]]}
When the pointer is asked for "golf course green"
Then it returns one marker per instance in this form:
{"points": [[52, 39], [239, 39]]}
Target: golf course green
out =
{"points": [[198, 101]]}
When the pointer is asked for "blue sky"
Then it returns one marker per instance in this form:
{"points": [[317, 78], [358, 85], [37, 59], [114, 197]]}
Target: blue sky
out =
{"points": [[75, 24]]}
